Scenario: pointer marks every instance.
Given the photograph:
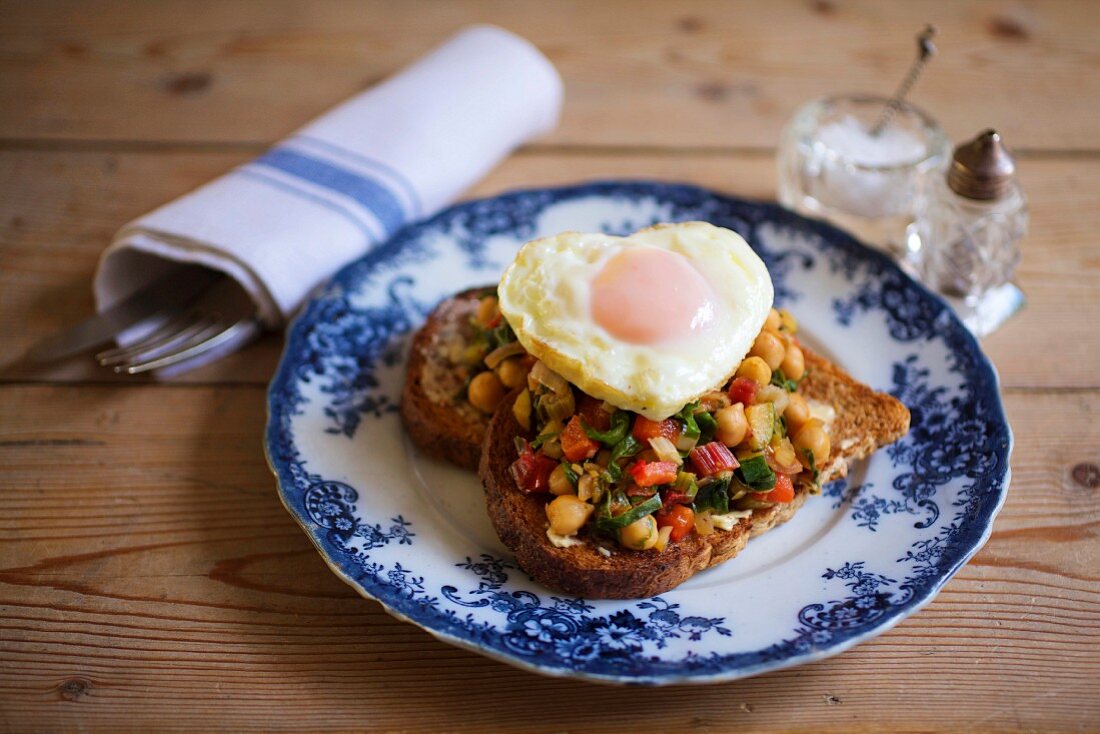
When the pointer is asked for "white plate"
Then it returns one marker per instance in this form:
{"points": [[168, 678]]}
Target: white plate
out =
{"points": [[413, 533]]}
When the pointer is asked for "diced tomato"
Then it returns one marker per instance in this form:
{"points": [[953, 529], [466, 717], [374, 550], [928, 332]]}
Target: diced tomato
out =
{"points": [[680, 517], [743, 390], [712, 458], [652, 473], [532, 471], [645, 429], [575, 443], [495, 321], [593, 413], [783, 490]]}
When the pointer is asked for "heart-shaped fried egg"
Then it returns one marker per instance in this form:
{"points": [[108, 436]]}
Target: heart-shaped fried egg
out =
{"points": [[647, 322]]}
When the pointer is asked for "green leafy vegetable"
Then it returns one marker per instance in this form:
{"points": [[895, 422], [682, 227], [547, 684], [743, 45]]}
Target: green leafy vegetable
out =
{"points": [[707, 427], [501, 335], [756, 473], [738, 489], [620, 425], [752, 501], [813, 468], [569, 473], [780, 380], [779, 426], [691, 427], [627, 447], [608, 523], [543, 438], [714, 496]]}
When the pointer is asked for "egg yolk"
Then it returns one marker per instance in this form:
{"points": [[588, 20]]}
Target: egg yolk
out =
{"points": [[645, 295]]}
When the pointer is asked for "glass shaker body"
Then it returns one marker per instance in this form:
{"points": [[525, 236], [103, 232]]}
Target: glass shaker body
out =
{"points": [[966, 247]]}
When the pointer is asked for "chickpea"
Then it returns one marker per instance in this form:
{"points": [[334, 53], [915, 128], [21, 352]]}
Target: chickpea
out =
{"points": [[794, 363], [512, 373], [790, 323], [813, 438], [559, 483], [586, 486], [641, 534], [732, 424], [797, 413], [769, 347], [756, 369], [485, 392], [567, 514], [774, 321], [487, 310]]}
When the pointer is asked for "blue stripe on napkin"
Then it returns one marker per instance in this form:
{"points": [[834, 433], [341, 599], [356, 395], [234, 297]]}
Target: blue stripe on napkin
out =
{"points": [[387, 170], [370, 231], [370, 194]]}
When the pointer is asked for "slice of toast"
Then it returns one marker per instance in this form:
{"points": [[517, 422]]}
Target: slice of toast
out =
{"points": [[865, 420], [434, 408]]}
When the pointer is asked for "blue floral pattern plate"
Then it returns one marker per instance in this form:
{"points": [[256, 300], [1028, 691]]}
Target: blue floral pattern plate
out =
{"points": [[413, 534]]}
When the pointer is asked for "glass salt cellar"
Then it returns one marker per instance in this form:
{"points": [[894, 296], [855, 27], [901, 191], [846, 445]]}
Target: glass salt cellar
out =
{"points": [[834, 163], [964, 241]]}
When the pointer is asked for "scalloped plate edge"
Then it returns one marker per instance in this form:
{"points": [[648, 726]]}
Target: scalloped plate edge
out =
{"points": [[887, 623]]}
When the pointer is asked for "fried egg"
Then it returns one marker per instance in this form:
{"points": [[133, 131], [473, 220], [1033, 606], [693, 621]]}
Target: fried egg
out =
{"points": [[647, 322]]}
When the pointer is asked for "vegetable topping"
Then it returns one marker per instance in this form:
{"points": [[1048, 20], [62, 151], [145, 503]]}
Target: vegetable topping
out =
{"points": [[493, 361], [620, 478]]}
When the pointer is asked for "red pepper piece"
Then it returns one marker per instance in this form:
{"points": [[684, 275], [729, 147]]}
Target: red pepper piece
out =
{"points": [[681, 518], [531, 471], [783, 491], [575, 443], [652, 473], [743, 390], [645, 429]]}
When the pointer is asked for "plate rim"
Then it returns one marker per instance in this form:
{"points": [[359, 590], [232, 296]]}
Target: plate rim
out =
{"points": [[775, 212]]}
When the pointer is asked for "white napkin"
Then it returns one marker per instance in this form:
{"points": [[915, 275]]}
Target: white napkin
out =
{"points": [[398, 152]]}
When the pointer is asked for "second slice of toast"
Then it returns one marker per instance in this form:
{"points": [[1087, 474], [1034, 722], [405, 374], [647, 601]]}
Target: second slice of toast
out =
{"points": [[434, 408]]}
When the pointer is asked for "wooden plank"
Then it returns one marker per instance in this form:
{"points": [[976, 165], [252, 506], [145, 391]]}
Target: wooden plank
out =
{"points": [[704, 72], [148, 573], [59, 209]]}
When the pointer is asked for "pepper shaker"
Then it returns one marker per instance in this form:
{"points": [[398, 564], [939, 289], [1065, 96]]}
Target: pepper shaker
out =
{"points": [[964, 241]]}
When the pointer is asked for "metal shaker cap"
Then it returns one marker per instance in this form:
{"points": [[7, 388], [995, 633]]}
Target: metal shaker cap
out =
{"points": [[982, 169]]}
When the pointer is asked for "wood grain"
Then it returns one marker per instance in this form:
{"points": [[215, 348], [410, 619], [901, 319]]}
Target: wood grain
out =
{"points": [[173, 587], [59, 209], [695, 73], [151, 580]]}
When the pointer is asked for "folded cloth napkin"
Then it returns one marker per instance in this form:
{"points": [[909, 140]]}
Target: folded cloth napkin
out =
{"points": [[398, 152]]}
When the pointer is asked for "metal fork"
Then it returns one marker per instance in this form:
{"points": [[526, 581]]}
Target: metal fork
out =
{"points": [[223, 318]]}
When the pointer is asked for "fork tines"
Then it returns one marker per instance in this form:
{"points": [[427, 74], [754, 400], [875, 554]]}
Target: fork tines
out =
{"points": [[224, 315]]}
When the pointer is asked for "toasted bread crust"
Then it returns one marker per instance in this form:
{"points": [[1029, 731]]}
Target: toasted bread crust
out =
{"points": [[865, 420], [444, 426]]}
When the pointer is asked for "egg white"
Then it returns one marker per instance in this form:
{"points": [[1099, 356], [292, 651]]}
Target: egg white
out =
{"points": [[545, 294]]}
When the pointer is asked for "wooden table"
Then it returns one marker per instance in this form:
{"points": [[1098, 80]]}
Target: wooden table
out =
{"points": [[150, 578]]}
